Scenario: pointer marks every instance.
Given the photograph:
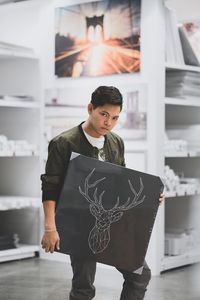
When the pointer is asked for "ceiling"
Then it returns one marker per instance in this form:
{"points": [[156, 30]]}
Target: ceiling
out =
{"points": [[9, 1]]}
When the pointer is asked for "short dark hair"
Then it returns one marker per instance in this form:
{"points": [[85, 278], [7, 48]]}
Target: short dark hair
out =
{"points": [[106, 95]]}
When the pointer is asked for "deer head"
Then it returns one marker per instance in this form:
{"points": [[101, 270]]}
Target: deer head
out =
{"points": [[99, 236]]}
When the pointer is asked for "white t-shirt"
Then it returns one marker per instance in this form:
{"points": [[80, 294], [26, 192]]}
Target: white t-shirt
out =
{"points": [[95, 142]]}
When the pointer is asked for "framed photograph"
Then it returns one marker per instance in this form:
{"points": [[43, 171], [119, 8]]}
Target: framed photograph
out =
{"points": [[132, 124], [97, 38]]}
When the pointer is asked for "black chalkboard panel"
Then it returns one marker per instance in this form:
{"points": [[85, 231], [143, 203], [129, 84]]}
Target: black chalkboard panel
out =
{"points": [[106, 212]]}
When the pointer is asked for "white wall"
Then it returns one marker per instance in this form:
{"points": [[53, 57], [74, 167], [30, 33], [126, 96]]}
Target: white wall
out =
{"points": [[19, 24], [186, 10]]}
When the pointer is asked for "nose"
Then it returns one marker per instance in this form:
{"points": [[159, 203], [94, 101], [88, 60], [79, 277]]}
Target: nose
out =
{"points": [[108, 122]]}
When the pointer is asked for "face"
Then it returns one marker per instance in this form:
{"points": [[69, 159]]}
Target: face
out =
{"points": [[102, 119]]}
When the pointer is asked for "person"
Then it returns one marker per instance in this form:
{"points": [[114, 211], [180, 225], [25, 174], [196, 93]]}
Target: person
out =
{"points": [[92, 138]]}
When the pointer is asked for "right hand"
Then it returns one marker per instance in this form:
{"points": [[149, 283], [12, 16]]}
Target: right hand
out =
{"points": [[50, 240]]}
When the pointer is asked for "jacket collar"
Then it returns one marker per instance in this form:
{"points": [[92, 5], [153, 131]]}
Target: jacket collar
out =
{"points": [[83, 135]]}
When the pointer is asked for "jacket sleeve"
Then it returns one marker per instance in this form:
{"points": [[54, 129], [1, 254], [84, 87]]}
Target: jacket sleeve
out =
{"points": [[122, 154], [56, 165]]}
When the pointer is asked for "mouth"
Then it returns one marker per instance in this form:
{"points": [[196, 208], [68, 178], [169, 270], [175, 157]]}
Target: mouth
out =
{"points": [[105, 129]]}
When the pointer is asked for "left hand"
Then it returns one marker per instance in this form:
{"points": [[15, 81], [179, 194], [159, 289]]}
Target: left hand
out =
{"points": [[162, 197]]}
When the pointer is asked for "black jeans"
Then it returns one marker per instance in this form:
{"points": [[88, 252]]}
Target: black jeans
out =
{"points": [[134, 286]]}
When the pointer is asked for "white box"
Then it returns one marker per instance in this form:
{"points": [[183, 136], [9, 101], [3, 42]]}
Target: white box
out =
{"points": [[175, 244]]}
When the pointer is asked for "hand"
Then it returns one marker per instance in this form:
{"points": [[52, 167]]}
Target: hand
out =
{"points": [[161, 199], [50, 240]]}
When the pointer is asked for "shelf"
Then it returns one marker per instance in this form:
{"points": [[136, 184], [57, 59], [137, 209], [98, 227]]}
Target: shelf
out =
{"points": [[182, 67], [17, 202], [170, 262], [19, 154], [182, 102], [12, 54], [63, 111], [175, 194], [18, 104], [184, 154], [24, 251]]}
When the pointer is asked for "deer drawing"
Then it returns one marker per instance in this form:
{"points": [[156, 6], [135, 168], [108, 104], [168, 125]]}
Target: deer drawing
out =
{"points": [[99, 236]]}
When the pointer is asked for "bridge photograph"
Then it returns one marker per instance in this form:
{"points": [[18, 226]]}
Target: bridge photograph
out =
{"points": [[97, 38]]}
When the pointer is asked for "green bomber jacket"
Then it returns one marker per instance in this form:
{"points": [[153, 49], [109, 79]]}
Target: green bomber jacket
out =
{"points": [[59, 152]]}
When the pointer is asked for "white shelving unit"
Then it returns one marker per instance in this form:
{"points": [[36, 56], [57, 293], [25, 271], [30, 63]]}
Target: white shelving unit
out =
{"points": [[181, 210], [182, 67], [171, 262], [175, 195], [21, 154], [24, 251], [18, 104], [13, 202], [184, 154], [6, 53], [19, 170], [182, 102]]}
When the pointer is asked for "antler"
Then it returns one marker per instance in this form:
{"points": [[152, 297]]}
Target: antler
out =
{"points": [[99, 236], [136, 200], [98, 200], [88, 185]]}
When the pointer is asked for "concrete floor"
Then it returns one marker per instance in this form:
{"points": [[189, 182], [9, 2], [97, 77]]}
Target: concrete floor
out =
{"points": [[38, 279]]}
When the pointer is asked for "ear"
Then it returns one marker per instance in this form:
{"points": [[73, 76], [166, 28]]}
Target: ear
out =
{"points": [[90, 108]]}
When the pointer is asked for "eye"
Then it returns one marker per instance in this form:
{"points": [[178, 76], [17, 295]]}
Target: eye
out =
{"points": [[115, 118], [103, 114]]}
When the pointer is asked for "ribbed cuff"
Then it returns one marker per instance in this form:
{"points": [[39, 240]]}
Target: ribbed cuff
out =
{"points": [[49, 195]]}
